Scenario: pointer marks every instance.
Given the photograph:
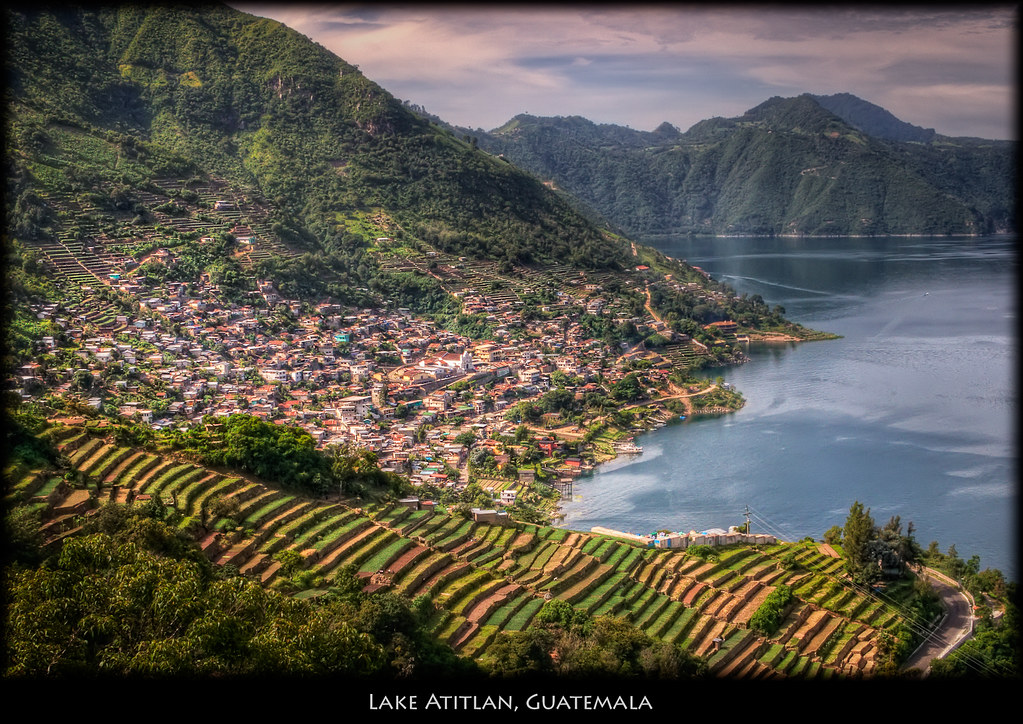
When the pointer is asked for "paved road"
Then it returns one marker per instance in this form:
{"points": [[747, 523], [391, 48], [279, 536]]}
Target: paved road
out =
{"points": [[956, 627]]}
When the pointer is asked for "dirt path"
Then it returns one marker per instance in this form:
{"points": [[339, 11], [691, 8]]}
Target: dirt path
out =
{"points": [[571, 432], [650, 309], [683, 396], [772, 337]]}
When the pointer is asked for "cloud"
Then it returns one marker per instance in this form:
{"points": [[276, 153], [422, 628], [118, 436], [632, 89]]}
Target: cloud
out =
{"points": [[479, 66]]}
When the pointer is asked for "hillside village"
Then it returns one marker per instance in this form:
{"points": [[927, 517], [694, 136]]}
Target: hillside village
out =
{"points": [[520, 411], [170, 354]]}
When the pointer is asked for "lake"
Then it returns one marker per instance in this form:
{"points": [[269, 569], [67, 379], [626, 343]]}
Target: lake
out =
{"points": [[912, 412]]}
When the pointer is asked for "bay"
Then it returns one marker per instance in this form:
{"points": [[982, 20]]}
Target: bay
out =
{"points": [[912, 412]]}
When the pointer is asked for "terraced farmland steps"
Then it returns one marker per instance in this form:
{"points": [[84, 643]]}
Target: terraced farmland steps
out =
{"points": [[487, 579]]}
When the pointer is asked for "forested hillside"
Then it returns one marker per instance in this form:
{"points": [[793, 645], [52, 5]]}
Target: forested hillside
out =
{"points": [[104, 100], [806, 165]]}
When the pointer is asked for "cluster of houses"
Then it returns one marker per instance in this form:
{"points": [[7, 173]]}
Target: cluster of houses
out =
{"points": [[681, 541], [376, 379], [380, 380]]}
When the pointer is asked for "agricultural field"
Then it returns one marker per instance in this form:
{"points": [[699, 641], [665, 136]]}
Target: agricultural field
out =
{"points": [[483, 578]]}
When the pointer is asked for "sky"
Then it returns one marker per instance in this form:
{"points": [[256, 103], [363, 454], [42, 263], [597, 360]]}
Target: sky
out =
{"points": [[944, 67]]}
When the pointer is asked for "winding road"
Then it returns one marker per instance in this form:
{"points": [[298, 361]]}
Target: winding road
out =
{"points": [[955, 627]]}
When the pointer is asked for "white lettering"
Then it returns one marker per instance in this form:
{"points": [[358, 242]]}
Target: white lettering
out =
{"points": [[398, 702]]}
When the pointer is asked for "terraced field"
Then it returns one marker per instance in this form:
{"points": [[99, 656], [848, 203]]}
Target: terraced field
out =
{"points": [[102, 241], [486, 578]]}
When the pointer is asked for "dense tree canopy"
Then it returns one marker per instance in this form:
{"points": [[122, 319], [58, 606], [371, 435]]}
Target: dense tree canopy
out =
{"points": [[286, 455], [111, 606], [570, 643]]}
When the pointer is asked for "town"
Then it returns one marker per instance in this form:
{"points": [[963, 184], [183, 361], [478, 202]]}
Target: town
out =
{"points": [[540, 399]]}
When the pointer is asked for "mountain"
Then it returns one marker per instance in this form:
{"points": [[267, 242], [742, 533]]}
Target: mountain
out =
{"points": [[872, 119], [806, 165], [200, 147], [108, 101]]}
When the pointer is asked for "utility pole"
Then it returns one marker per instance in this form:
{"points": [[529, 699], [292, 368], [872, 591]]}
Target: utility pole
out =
{"points": [[747, 520]]}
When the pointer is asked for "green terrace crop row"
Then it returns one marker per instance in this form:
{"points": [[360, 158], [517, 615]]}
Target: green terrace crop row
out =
{"points": [[39, 485], [73, 262], [70, 259], [488, 578], [734, 603]]}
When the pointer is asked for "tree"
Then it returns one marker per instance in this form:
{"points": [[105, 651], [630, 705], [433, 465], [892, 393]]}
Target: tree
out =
{"points": [[560, 613], [221, 507], [290, 561], [956, 566], [354, 468], [481, 459], [833, 535], [628, 389], [82, 380], [769, 615], [909, 548], [518, 653], [24, 537], [859, 532]]}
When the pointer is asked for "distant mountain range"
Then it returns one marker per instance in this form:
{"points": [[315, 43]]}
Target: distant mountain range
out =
{"points": [[873, 120], [814, 165]]}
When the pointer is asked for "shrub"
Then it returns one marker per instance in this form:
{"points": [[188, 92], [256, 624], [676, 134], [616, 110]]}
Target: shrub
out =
{"points": [[704, 552], [768, 617]]}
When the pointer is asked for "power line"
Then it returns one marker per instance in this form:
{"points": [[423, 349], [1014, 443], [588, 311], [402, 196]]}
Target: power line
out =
{"points": [[780, 531], [911, 619], [925, 632]]}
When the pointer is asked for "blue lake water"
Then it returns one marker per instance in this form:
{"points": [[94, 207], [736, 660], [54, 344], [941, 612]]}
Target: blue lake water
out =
{"points": [[912, 412]]}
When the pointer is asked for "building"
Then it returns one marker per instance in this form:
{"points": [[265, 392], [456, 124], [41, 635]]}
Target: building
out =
{"points": [[353, 407], [493, 517]]}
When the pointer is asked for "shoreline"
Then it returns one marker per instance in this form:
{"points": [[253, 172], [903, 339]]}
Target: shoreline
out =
{"points": [[774, 338], [662, 418]]}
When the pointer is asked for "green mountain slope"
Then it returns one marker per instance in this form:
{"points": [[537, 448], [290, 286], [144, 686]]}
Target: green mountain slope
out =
{"points": [[103, 100], [789, 165], [872, 119]]}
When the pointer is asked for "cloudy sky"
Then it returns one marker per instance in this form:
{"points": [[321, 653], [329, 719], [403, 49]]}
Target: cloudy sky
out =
{"points": [[944, 67]]}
